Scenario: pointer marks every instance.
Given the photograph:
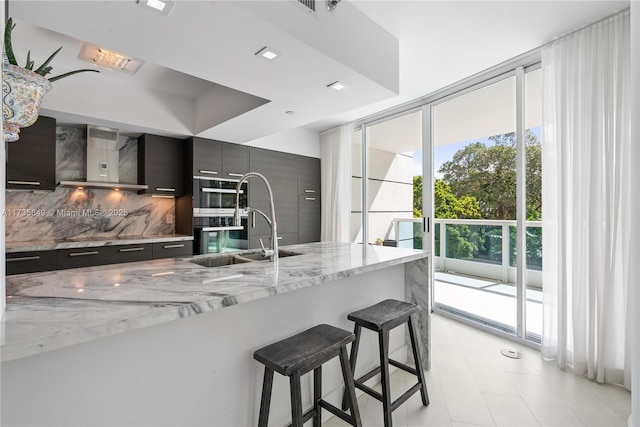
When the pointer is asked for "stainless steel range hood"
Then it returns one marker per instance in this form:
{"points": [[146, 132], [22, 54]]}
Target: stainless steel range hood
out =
{"points": [[102, 159]]}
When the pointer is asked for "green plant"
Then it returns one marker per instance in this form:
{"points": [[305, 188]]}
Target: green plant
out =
{"points": [[42, 70]]}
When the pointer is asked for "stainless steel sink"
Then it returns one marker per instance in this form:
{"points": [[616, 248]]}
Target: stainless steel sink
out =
{"points": [[222, 260]]}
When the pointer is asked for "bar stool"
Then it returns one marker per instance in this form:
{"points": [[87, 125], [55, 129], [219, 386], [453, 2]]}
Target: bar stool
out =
{"points": [[299, 354], [381, 318]]}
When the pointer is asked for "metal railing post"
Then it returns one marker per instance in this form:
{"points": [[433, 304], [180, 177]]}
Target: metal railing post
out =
{"points": [[506, 240]]}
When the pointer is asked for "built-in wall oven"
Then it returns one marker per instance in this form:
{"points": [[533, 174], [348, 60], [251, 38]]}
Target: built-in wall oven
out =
{"points": [[214, 202]]}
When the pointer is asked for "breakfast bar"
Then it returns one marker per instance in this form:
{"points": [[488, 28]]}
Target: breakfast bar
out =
{"points": [[170, 342]]}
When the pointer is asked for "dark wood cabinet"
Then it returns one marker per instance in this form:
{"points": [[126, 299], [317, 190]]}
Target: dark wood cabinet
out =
{"points": [[31, 161], [172, 249], [283, 240], [235, 160], [308, 175], [309, 203], [309, 218], [280, 169], [130, 253], [205, 157], [161, 165], [31, 262], [82, 257]]}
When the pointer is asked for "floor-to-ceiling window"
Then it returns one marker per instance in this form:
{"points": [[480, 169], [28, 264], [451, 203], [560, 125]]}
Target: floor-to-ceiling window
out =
{"points": [[393, 166], [473, 201]]}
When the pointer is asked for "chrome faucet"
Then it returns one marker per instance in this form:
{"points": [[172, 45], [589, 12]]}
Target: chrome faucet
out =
{"points": [[273, 251]]}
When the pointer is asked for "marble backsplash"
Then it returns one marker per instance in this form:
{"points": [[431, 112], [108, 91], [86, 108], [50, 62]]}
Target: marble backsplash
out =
{"points": [[68, 213]]}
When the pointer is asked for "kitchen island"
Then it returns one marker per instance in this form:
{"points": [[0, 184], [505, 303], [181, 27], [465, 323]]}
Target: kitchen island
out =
{"points": [[170, 342]]}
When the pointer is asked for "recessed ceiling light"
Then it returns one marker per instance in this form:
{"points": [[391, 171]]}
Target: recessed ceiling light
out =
{"points": [[268, 53], [337, 85], [160, 6], [109, 59]]}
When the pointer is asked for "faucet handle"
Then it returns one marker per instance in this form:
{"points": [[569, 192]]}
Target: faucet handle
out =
{"points": [[265, 252]]}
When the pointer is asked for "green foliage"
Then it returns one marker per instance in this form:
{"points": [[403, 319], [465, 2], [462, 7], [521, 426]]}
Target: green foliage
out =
{"points": [[42, 70], [417, 196], [489, 175], [447, 205]]}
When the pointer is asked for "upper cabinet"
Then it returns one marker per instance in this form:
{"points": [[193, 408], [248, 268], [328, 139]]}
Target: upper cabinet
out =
{"points": [[235, 160], [205, 157], [308, 175], [31, 161], [281, 171], [161, 165]]}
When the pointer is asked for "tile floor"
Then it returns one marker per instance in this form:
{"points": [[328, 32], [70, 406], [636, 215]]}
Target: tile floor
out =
{"points": [[471, 384]]}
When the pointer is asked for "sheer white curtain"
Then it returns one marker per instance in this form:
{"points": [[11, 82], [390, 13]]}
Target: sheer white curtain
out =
{"points": [[335, 154], [634, 253], [587, 185]]}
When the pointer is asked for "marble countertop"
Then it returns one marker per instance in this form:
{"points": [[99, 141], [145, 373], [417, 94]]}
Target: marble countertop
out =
{"points": [[51, 310], [90, 242]]}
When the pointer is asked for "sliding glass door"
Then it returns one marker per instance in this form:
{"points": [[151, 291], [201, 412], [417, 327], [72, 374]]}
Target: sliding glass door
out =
{"points": [[458, 174], [487, 204]]}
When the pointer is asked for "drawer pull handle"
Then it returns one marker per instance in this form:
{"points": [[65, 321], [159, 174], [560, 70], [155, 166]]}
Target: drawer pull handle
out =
{"points": [[208, 172], [24, 182], [279, 238], [310, 198], [181, 245], [309, 191], [131, 249], [24, 258], [235, 174], [84, 253], [171, 190]]}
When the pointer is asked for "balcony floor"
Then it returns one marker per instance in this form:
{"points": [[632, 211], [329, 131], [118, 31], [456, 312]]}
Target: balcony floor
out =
{"points": [[487, 299]]}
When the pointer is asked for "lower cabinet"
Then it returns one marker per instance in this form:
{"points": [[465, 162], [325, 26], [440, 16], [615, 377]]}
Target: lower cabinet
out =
{"points": [[172, 249], [61, 259], [82, 257], [309, 219], [130, 253], [31, 262]]}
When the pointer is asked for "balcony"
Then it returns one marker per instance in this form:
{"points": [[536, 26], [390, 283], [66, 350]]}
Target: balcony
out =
{"points": [[475, 269]]}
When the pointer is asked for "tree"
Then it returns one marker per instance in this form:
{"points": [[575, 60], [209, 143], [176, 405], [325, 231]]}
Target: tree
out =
{"points": [[417, 196], [488, 173]]}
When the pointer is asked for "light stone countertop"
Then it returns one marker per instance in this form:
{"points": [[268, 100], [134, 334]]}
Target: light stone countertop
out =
{"points": [[51, 310], [91, 242]]}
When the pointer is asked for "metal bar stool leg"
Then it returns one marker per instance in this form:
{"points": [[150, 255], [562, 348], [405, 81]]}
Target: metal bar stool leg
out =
{"points": [[317, 395], [418, 361], [383, 338], [350, 390], [265, 401], [296, 400]]}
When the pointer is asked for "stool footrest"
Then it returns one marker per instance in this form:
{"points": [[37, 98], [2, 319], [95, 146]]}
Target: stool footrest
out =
{"points": [[306, 417], [404, 367], [375, 371], [399, 401], [371, 392], [336, 411]]}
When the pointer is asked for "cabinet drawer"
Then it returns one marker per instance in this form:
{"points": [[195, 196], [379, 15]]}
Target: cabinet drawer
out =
{"points": [[172, 249], [31, 262], [130, 253], [82, 257]]}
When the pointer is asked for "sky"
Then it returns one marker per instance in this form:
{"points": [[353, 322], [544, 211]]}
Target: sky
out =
{"points": [[445, 153]]}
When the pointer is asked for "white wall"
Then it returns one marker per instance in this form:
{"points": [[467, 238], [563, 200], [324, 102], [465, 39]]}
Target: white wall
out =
{"points": [[390, 192], [300, 141]]}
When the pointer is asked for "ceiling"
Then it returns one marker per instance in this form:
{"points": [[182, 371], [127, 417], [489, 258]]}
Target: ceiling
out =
{"points": [[201, 76]]}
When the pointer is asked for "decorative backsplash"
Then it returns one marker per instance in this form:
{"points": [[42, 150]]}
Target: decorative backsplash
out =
{"points": [[69, 213]]}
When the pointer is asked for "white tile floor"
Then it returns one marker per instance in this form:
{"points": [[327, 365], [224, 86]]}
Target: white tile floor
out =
{"points": [[471, 384]]}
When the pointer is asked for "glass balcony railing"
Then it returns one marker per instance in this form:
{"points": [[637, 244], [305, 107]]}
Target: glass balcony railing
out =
{"points": [[484, 248]]}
